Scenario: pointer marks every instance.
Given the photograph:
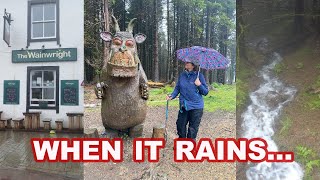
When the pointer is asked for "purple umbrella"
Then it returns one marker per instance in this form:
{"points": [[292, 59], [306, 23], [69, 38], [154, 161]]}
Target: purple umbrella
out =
{"points": [[206, 58]]}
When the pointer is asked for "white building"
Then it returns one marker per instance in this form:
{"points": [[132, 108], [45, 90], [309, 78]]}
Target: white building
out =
{"points": [[42, 67]]}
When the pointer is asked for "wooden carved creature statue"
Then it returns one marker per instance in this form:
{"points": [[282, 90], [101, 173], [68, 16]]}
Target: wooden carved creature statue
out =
{"points": [[123, 86]]}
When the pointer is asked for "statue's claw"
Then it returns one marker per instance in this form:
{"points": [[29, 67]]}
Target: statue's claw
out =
{"points": [[99, 89], [144, 91]]}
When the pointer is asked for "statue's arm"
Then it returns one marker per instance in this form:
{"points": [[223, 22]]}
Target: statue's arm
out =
{"points": [[101, 86], [143, 81]]}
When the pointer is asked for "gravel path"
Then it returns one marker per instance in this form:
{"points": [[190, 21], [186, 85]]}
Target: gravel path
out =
{"points": [[18, 174], [213, 125]]}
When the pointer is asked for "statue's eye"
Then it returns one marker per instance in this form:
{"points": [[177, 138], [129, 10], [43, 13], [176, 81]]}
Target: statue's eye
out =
{"points": [[117, 41], [129, 43]]}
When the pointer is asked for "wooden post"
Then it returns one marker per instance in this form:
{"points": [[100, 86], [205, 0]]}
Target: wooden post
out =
{"points": [[18, 123], [81, 122], [2, 124], [28, 122], [38, 121], [47, 124], [9, 123], [34, 121], [158, 131], [71, 122], [59, 124], [21, 123], [75, 119]]}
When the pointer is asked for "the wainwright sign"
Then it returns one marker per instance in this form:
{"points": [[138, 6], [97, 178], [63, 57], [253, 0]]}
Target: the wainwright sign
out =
{"points": [[44, 55]]}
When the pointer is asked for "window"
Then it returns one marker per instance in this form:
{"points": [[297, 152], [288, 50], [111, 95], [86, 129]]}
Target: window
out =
{"points": [[43, 87], [43, 21]]}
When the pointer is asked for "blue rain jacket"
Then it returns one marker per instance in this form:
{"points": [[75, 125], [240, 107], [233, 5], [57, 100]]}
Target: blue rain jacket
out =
{"points": [[190, 94]]}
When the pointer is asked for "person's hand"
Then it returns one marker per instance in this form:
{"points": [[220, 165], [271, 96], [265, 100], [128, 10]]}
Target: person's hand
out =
{"points": [[169, 97], [197, 82]]}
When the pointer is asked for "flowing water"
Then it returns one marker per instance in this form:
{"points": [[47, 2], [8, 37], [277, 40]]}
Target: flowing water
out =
{"points": [[259, 121]]}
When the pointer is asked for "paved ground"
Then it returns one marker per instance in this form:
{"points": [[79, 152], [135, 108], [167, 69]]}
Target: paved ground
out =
{"points": [[16, 159]]}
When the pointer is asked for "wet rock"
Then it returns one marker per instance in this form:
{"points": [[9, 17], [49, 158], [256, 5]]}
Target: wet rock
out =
{"points": [[273, 99], [262, 46]]}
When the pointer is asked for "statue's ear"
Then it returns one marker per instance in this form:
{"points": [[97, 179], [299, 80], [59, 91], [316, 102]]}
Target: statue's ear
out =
{"points": [[106, 36], [140, 38]]}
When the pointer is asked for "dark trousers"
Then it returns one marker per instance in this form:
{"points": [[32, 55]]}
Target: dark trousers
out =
{"points": [[193, 117]]}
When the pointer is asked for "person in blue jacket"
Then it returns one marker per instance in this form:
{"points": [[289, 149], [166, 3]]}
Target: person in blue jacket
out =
{"points": [[191, 89]]}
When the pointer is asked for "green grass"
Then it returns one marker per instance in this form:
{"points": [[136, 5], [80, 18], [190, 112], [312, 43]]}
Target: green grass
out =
{"points": [[242, 93], [313, 100], [310, 160], [245, 72], [157, 97], [279, 68], [224, 98]]}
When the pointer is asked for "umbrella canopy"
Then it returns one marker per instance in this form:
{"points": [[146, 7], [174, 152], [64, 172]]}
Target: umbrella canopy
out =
{"points": [[206, 58]]}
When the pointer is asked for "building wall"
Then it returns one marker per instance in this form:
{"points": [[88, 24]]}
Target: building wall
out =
{"points": [[71, 36]]}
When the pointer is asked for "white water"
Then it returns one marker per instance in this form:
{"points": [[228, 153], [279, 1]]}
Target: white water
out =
{"points": [[259, 120]]}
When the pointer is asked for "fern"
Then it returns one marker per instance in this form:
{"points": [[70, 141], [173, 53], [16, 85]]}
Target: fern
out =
{"points": [[305, 153], [311, 164], [309, 159]]}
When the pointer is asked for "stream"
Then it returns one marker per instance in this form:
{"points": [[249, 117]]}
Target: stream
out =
{"points": [[260, 118]]}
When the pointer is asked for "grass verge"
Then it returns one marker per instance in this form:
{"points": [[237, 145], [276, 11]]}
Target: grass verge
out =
{"points": [[223, 98]]}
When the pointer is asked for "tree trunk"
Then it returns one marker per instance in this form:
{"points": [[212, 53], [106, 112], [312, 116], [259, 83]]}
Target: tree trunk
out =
{"points": [[124, 15], [168, 67], [155, 44], [177, 36], [207, 38], [299, 16]]}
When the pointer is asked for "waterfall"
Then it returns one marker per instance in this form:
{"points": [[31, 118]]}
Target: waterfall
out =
{"points": [[259, 119]]}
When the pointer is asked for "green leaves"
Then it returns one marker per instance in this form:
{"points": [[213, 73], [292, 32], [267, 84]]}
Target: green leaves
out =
{"points": [[309, 158]]}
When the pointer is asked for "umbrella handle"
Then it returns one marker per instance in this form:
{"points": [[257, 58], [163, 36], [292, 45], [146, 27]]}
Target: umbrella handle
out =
{"points": [[165, 125], [167, 110], [199, 71]]}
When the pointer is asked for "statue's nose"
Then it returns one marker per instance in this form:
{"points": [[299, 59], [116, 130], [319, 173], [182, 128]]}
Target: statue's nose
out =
{"points": [[123, 49]]}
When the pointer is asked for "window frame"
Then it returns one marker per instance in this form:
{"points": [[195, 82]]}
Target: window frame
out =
{"points": [[42, 87], [43, 21], [29, 96], [57, 21]]}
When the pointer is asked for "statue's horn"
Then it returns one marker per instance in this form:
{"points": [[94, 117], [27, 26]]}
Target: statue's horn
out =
{"points": [[115, 24], [130, 25]]}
